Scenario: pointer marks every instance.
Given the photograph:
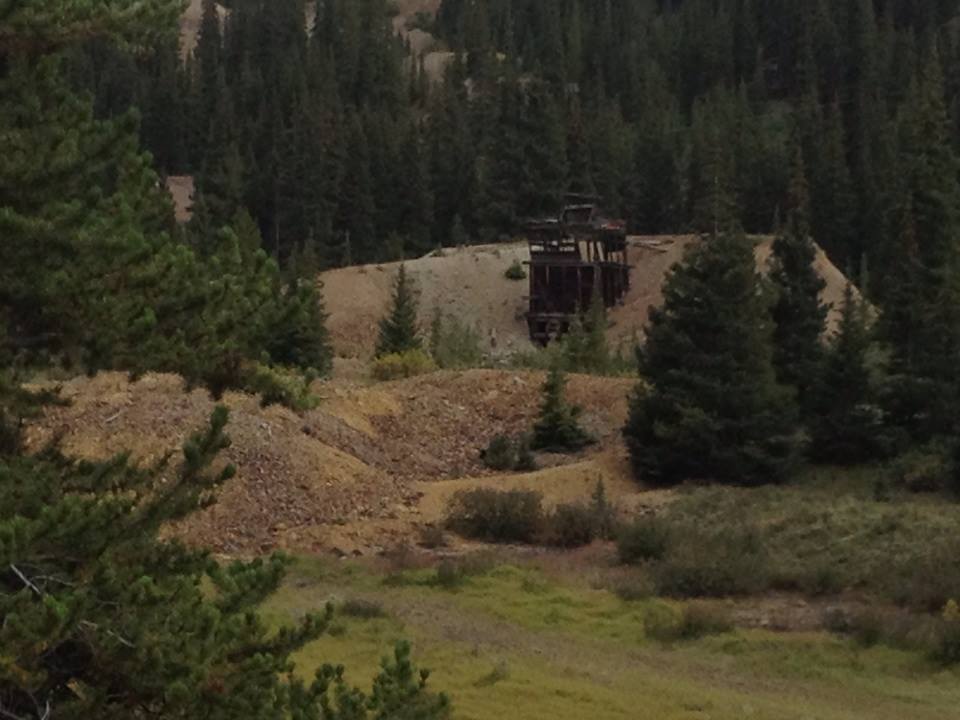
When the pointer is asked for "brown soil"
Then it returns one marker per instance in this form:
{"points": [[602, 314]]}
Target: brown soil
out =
{"points": [[364, 471], [294, 474], [469, 283], [181, 188]]}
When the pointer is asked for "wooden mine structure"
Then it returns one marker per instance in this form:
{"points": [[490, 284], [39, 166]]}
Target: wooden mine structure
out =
{"points": [[569, 256]]}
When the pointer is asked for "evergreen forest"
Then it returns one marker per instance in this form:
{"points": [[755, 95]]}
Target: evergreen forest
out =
{"points": [[792, 447]]}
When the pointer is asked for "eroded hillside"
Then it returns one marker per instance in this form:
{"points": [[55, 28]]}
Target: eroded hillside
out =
{"points": [[365, 470], [469, 283]]}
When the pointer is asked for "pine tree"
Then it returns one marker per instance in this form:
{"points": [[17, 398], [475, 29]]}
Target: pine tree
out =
{"points": [[398, 330], [298, 336], [100, 618], [709, 406], [846, 424], [557, 428], [921, 305], [832, 200], [798, 315]]}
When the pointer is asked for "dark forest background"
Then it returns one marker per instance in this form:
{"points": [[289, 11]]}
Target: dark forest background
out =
{"points": [[342, 149]]}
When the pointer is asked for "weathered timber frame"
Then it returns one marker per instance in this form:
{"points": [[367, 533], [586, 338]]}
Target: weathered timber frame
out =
{"points": [[569, 256]]}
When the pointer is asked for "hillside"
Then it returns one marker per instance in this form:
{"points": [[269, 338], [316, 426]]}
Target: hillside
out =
{"points": [[363, 471], [469, 283]]}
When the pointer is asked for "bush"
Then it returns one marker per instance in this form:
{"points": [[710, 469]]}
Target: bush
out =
{"points": [[526, 462], [516, 271], [866, 628], [927, 582], [500, 454], [632, 587], [362, 609], [496, 516], [455, 344], [946, 642], [432, 537], [703, 619], [660, 622], [642, 540], [817, 578], [698, 564], [925, 469], [449, 575], [402, 365], [697, 620], [504, 453], [571, 526], [277, 386]]}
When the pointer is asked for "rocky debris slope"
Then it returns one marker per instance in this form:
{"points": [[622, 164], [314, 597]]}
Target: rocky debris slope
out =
{"points": [[293, 473], [469, 283], [302, 480]]}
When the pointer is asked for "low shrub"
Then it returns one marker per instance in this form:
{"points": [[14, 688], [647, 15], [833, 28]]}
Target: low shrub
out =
{"points": [[500, 454], [632, 587], [718, 564], [362, 609], [643, 540], [925, 469], [946, 640], [449, 575], [278, 386], [402, 365], [946, 644], [697, 620], [927, 582], [496, 516], [478, 563], [817, 579], [526, 462], [571, 525], [866, 628], [660, 622], [516, 271], [452, 573], [702, 619], [432, 537], [455, 344]]}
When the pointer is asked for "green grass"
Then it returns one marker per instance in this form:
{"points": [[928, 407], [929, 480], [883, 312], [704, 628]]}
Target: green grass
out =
{"points": [[513, 644]]}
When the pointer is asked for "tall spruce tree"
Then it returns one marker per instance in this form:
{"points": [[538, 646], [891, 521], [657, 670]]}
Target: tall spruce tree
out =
{"points": [[798, 315], [921, 306], [709, 406], [398, 330], [846, 421]]}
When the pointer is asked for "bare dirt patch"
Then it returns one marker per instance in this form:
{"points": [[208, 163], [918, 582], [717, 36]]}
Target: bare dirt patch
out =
{"points": [[294, 474], [357, 474], [448, 418], [469, 283]]}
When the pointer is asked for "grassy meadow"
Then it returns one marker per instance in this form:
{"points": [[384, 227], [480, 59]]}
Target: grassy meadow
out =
{"points": [[518, 642]]}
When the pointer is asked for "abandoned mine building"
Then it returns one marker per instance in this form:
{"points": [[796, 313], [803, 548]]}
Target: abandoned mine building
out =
{"points": [[572, 256]]}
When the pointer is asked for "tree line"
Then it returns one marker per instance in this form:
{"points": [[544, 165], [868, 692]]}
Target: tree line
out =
{"points": [[334, 139]]}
